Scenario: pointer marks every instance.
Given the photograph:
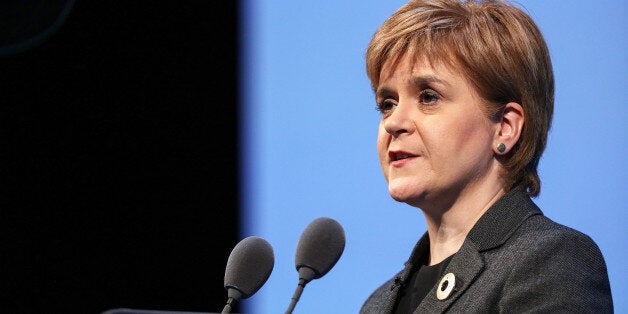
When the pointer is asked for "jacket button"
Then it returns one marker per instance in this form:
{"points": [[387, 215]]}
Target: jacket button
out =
{"points": [[446, 286]]}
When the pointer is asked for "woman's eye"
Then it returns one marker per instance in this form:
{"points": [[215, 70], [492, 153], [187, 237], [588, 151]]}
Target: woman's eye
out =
{"points": [[386, 106], [427, 97]]}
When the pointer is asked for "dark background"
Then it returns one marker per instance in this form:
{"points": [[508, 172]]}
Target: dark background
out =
{"points": [[119, 155]]}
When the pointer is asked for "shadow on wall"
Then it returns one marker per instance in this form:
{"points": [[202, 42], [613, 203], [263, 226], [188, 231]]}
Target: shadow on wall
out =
{"points": [[119, 154], [27, 23]]}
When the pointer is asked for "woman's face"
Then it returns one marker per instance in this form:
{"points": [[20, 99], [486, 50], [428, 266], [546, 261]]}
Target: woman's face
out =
{"points": [[434, 141]]}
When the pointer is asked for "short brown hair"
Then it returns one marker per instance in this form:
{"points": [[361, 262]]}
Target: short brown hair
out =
{"points": [[498, 47]]}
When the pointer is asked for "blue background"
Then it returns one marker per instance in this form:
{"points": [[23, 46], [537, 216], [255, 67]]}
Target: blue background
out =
{"points": [[309, 129]]}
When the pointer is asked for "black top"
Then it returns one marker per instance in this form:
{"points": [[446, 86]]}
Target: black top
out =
{"points": [[418, 285]]}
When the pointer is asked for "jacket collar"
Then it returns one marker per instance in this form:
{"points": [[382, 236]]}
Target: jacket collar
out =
{"points": [[502, 219]]}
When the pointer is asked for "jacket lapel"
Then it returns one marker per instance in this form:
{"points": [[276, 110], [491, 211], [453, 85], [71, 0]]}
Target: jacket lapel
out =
{"points": [[389, 296], [466, 265]]}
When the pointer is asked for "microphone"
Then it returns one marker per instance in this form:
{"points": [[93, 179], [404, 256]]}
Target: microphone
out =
{"points": [[249, 265], [319, 248]]}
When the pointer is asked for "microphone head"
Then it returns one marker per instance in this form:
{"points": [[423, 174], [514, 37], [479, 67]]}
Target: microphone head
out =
{"points": [[319, 248], [249, 265]]}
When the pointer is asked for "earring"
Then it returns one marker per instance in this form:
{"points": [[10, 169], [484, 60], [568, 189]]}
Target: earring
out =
{"points": [[501, 147]]}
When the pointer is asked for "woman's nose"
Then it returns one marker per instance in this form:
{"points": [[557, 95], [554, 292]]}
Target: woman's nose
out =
{"points": [[399, 121]]}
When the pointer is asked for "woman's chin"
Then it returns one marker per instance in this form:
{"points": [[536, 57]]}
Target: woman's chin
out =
{"points": [[403, 192]]}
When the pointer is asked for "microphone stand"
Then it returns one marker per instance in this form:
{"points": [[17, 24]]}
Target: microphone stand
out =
{"points": [[227, 308], [305, 275], [296, 295], [233, 295]]}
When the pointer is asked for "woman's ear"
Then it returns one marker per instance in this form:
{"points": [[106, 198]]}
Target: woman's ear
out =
{"points": [[509, 128]]}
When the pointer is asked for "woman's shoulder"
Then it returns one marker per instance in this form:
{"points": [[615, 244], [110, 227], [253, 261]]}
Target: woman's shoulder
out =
{"points": [[541, 230], [543, 242], [553, 260]]}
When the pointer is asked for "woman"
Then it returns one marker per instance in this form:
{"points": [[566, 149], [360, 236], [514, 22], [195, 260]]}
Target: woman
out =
{"points": [[466, 93]]}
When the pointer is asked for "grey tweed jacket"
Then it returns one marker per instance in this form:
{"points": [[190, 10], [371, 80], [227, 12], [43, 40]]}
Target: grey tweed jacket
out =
{"points": [[514, 260]]}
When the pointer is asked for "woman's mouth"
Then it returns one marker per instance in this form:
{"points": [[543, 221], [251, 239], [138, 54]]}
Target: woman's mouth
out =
{"points": [[399, 158]]}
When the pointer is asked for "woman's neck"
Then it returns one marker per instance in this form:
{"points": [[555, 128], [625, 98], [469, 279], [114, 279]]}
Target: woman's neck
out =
{"points": [[448, 227]]}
